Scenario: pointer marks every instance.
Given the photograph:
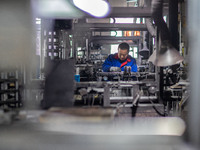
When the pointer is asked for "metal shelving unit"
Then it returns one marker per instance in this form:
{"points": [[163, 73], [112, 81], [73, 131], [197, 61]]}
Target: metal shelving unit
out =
{"points": [[9, 89]]}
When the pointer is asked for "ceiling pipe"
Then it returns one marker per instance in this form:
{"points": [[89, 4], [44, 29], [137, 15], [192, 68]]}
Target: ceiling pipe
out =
{"points": [[150, 27], [167, 55], [149, 21], [157, 15]]}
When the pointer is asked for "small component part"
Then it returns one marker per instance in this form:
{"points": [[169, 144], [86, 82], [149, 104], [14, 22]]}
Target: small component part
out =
{"points": [[115, 69], [105, 78]]}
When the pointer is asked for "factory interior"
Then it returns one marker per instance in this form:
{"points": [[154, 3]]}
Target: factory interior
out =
{"points": [[54, 93]]}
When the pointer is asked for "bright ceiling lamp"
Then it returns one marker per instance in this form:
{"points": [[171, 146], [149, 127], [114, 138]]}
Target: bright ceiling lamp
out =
{"points": [[61, 9], [96, 8]]}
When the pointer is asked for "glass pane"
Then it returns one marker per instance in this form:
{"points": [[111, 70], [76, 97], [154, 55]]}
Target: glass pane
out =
{"points": [[116, 33], [135, 52], [114, 48], [121, 20]]}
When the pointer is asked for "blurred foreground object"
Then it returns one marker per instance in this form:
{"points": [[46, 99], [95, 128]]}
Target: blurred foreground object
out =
{"points": [[60, 9], [68, 131], [59, 84]]}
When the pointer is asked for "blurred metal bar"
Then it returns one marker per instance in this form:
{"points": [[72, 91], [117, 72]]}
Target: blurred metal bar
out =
{"points": [[110, 26], [130, 98], [194, 45], [115, 38], [87, 48], [130, 12], [173, 23], [106, 99], [17, 44], [126, 12]]}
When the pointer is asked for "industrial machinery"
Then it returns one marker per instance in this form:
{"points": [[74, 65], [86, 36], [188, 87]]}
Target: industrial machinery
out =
{"points": [[56, 85], [87, 42]]}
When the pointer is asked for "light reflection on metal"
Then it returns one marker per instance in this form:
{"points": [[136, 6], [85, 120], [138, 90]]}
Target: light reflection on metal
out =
{"points": [[96, 8]]}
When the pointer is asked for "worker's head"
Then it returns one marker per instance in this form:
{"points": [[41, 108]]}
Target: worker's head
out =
{"points": [[123, 50]]}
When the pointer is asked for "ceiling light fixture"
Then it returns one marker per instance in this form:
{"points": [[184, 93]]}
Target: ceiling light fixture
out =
{"points": [[96, 8]]}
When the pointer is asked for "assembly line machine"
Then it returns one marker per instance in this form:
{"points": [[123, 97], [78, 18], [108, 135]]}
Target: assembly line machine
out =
{"points": [[86, 43]]}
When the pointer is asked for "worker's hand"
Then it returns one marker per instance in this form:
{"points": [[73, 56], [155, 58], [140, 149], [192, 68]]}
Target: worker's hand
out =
{"points": [[115, 69]]}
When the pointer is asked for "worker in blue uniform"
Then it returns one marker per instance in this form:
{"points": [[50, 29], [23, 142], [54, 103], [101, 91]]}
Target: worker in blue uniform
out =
{"points": [[120, 59]]}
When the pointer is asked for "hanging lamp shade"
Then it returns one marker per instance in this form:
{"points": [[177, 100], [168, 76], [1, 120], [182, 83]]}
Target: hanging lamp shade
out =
{"points": [[166, 56]]}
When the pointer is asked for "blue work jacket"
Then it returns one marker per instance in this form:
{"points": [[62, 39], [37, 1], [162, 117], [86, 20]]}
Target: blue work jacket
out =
{"points": [[114, 61]]}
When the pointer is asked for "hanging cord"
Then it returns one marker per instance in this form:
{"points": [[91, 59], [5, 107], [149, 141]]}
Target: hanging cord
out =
{"points": [[156, 109]]}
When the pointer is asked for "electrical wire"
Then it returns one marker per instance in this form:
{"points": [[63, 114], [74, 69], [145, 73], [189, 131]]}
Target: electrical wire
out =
{"points": [[156, 109]]}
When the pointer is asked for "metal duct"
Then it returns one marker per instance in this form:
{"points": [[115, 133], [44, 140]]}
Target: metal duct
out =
{"points": [[167, 54], [145, 50], [149, 21], [150, 27], [157, 15]]}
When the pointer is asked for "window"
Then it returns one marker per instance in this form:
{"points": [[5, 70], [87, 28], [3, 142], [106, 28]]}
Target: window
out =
{"points": [[38, 20], [80, 52], [116, 33], [114, 48], [134, 52], [121, 20]]}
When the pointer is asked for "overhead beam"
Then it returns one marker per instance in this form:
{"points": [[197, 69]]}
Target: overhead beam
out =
{"points": [[116, 38], [124, 12], [130, 12], [109, 27], [132, 40]]}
